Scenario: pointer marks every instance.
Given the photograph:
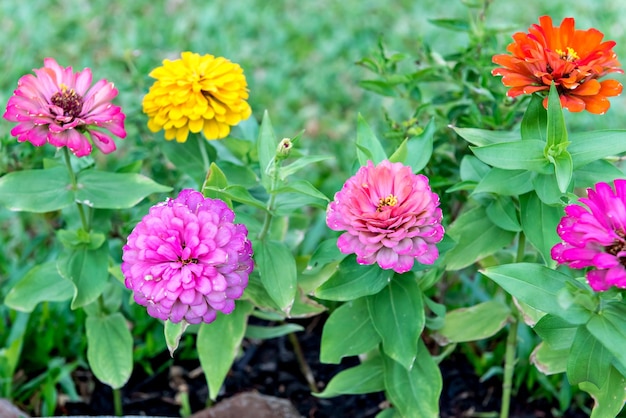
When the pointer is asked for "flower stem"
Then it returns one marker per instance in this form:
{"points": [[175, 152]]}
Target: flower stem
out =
{"points": [[117, 402], [511, 342], [304, 366], [270, 204], [81, 210]]}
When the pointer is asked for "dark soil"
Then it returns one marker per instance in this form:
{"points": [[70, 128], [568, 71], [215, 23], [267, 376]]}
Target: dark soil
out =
{"points": [[270, 367]]}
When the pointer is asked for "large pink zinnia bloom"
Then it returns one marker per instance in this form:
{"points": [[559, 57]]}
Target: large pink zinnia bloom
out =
{"points": [[57, 106], [595, 236], [390, 215], [186, 259]]}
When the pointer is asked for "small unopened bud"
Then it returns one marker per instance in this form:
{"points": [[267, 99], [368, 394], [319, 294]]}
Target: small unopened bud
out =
{"points": [[284, 148]]}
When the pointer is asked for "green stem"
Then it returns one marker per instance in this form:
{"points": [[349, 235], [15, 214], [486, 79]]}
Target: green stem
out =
{"points": [[117, 402], [81, 210], [304, 366], [270, 205], [511, 342]]}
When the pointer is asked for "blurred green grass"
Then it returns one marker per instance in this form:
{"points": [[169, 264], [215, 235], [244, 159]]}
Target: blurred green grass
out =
{"points": [[299, 56]]}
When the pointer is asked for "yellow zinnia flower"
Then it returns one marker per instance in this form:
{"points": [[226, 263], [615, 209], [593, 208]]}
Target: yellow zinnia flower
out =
{"points": [[196, 93]]}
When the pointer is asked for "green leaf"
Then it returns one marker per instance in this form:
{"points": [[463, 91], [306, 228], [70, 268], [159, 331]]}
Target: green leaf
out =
{"points": [[482, 137], [535, 121], [300, 163], [506, 182], [105, 190], [173, 332], [42, 283], [549, 360], [368, 146], [191, 158], [234, 192], [87, 269], [218, 344], [587, 147], [502, 213], [563, 168], [458, 25], [109, 349], [266, 147], [609, 328], [277, 268], [556, 332], [367, 377], [246, 129], [397, 313], [416, 151], [522, 155], [474, 323], [609, 399], [348, 331], [305, 188], [539, 287], [414, 392], [539, 223], [476, 237], [215, 179], [588, 360], [353, 280], [547, 189], [382, 87], [36, 190], [556, 131], [595, 172], [472, 169], [265, 333]]}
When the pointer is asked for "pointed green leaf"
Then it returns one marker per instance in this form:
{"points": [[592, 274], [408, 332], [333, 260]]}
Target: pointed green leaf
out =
{"points": [[506, 182], [234, 192], [549, 360], [535, 121], [474, 323], [563, 168], [556, 131], [556, 332], [367, 377], [348, 331], [277, 268], [305, 188], [265, 333], [476, 237], [472, 169], [502, 212], [88, 269], [595, 172], [191, 158], [522, 155], [353, 280], [109, 349], [609, 399], [218, 344], [609, 328], [215, 179], [482, 137], [539, 223], [266, 148], [42, 283], [36, 190], [587, 147], [368, 146], [414, 392], [588, 360], [539, 287], [547, 189], [397, 313], [173, 332], [106, 190], [300, 163]]}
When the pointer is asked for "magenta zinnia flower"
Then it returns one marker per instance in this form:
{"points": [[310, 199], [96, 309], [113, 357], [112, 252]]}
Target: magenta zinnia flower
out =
{"points": [[58, 106], [595, 236], [390, 216], [186, 259]]}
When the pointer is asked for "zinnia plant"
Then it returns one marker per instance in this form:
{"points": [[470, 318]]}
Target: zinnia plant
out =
{"points": [[572, 59], [596, 236], [58, 106], [196, 94], [390, 215], [187, 260]]}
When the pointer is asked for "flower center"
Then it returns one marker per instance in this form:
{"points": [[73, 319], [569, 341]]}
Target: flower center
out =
{"points": [[568, 55], [617, 247], [390, 200], [68, 100], [188, 261]]}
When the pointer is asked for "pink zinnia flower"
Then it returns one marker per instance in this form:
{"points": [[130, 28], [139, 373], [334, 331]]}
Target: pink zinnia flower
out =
{"points": [[390, 216], [186, 259], [595, 236], [58, 106]]}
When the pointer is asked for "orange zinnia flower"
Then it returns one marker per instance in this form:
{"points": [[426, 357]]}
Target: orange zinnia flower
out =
{"points": [[573, 59]]}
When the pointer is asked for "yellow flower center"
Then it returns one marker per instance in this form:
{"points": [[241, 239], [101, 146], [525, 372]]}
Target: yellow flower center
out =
{"points": [[390, 200], [568, 55]]}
